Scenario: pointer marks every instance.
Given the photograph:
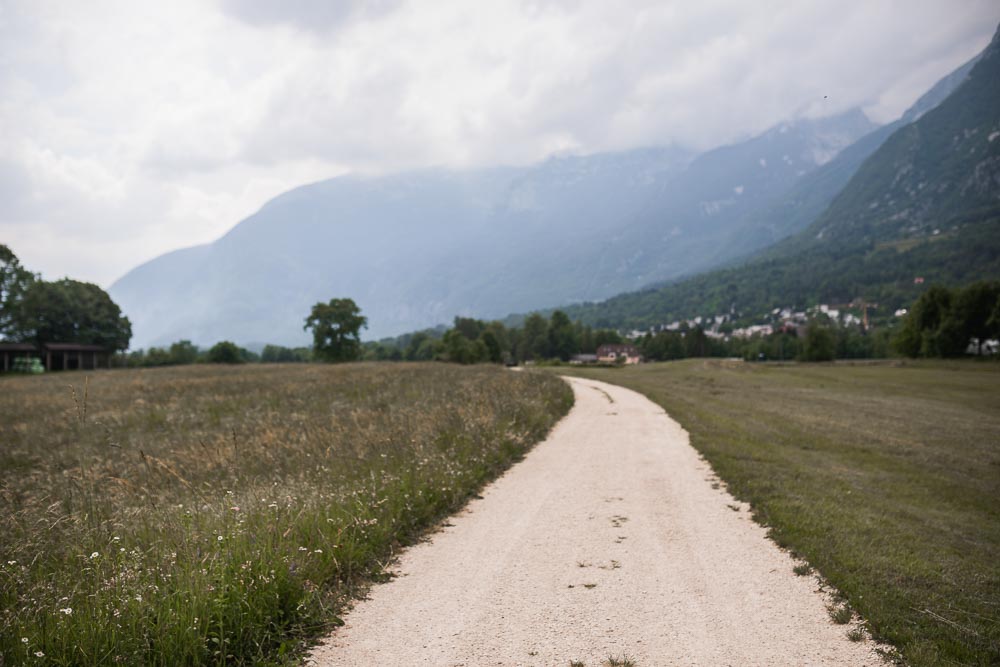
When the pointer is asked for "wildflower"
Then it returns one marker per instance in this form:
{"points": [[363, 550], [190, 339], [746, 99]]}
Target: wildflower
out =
{"points": [[12, 562], [24, 640], [220, 538], [94, 555], [66, 610], [318, 551], [303, 549], [116, 539], [235, 508], [39, 654]]}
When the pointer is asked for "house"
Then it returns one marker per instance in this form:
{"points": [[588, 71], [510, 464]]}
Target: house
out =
{"points": [[57, 356], [616, 353]]}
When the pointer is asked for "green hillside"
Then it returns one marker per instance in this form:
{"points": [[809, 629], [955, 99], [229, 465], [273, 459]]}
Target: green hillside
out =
{"points": [[926, 204]]}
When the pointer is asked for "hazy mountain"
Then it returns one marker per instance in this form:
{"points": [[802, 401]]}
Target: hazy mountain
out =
{"points": [[416, 249], [412, 249], [924, 204], [814, 191]]}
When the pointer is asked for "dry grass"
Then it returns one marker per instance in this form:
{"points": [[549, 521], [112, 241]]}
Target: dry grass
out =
{"points": [[222, 515]]}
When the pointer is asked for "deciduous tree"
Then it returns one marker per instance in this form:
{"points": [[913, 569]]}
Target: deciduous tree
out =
{"points": [[336, 328]]}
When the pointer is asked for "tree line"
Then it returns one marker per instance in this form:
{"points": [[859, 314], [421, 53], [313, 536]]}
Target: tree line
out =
{"points": [[472, 341], [37, 311], [947, 322]]}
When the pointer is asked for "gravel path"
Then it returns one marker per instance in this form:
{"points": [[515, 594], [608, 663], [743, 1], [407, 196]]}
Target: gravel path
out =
{"points": [[607, 540]]}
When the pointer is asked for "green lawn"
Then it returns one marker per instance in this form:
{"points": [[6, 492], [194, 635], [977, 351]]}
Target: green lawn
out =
{"points": [[885, 477]]}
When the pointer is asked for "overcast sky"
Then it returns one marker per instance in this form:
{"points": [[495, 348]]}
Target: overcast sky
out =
{"points": [[130, 128]]}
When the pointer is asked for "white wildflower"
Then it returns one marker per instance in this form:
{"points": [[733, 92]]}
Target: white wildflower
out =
{"points": [[39, 654], [24, 640], [66, 610], [94, 555], [220, 538], [318, 551]]}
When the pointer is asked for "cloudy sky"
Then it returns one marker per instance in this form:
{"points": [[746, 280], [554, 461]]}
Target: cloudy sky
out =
{"points": [[130, 128]]}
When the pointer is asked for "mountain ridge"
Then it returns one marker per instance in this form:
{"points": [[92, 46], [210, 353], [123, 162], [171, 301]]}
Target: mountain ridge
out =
{"points": [[417, 248]]}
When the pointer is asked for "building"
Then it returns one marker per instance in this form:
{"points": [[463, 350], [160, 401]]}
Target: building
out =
{"points": [[57, 356], [583, 359], [616, 353]]}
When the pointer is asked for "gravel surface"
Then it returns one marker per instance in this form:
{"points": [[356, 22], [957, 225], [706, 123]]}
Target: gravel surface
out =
{"points": [[607, 540]]}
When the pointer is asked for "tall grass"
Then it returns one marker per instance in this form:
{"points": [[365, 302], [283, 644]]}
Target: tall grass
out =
{"points": [[224, 515]]}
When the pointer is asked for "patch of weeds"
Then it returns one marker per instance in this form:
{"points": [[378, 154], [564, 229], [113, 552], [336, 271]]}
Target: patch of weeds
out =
{"points": [[735, 508], [581, 563], [613, 565], [802, 569], [615, 661], [618, 520], [715, 485], [841, 614], [589, 586], [577, 663], [856, 634]]}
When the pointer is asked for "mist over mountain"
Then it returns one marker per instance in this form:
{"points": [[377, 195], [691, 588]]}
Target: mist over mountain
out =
{"points": [[922, 206], [415, 249]]}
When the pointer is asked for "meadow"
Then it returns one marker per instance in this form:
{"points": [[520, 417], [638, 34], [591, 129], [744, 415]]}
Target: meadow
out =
{"points": [[884, 477], [226, 515]]}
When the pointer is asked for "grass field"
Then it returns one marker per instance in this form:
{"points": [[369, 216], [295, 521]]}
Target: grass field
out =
{"points": [[207, 515], [885, 477]]}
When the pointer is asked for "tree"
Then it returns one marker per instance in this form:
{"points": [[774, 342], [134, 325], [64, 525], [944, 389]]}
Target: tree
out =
{"points": [[336, 330], [183, 352], [493, 352], [225, 352], [563, 342], [973, 310], [534, 341], [461, 350], [696, 343], [68, 311], [820, 343], [14, 282]]}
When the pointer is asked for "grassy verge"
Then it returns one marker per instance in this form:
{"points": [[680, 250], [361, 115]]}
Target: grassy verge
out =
{"points": [[885, 477], [205, 515]]}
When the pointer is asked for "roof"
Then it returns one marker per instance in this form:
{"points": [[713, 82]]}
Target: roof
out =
{"points": [[73, 347], [617, 347], [17, 347]]}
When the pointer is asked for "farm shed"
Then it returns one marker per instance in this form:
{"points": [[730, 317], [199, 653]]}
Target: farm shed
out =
{"points": [[12, 351], [57, 356]]}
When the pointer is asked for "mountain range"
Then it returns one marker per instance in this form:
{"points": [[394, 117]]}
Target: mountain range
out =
{"points": [[415, 249], [920, 205]]}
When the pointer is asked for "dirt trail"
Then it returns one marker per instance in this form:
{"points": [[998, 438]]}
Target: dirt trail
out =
{"points": [[608, 539]]}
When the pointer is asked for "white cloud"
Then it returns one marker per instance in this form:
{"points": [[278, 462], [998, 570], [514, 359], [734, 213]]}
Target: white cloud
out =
{"points": [[129, 129]]}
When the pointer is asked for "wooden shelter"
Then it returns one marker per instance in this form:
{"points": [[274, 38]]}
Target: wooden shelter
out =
{"points": [[58, 356], [12, 351]]}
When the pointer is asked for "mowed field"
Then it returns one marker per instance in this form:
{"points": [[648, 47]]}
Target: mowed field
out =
{"points": [[211, 515], [884, 477]]}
